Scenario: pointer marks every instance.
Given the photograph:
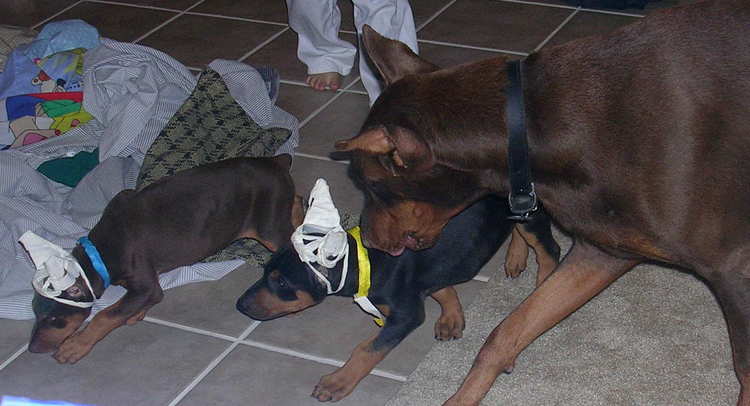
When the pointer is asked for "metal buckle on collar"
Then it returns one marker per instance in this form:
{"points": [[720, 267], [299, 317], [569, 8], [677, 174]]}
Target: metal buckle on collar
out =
{"points": [[522, 205]]}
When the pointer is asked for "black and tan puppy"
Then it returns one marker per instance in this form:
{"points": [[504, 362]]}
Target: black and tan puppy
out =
{"points": [[639, 147], [399, 286], [173, 222]]}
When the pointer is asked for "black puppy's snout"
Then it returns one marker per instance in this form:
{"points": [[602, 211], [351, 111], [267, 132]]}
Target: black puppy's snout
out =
{"points": [[240, 305]]}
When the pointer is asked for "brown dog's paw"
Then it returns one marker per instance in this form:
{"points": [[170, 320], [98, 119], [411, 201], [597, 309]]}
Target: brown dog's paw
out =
{"points": [[333, 387], [450, 326], [72, 350]]}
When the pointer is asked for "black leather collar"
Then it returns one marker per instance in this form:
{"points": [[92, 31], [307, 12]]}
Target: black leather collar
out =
{"points": [[522, 198]]}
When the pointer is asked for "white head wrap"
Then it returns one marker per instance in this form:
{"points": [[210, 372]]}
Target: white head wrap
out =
{"points": [[321, 238], [56, 269]]}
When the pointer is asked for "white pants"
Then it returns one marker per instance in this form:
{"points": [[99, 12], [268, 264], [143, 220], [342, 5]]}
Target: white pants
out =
{"points": [[317, 23]]}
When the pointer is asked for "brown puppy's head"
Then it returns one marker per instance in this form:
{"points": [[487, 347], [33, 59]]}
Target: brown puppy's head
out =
{"points": [[57, 321], [287, 286], [411, 158]]}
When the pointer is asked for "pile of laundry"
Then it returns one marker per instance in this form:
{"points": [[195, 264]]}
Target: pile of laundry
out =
{"points": [[79, 114]]}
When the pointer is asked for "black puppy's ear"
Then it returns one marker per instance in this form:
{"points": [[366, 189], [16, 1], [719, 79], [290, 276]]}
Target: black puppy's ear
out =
{"points": [[393, 59]]}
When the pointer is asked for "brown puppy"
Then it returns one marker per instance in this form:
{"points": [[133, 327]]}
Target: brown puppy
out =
{"points": [[639, 144], [175, 221]]}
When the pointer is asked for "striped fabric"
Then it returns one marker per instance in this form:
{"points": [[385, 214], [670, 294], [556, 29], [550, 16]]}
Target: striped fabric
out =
{"points": [[132, 91]]}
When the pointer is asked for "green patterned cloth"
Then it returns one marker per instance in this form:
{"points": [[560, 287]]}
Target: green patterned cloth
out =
{"points": [[210, 126]]}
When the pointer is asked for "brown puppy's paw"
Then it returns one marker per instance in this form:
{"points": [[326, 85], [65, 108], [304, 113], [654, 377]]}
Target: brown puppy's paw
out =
{"points": [[450, 326], [72, 350], [136, 317], [333, 387]]}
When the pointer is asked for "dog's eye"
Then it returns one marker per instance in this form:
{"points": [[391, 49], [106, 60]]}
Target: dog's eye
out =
{"points": [[55, 322], [282, 283], [387, 163]]}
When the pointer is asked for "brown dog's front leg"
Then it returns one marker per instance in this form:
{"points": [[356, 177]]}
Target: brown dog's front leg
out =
{"points": [[450, 325], [731, 285], [584, 272], [129, 308]]}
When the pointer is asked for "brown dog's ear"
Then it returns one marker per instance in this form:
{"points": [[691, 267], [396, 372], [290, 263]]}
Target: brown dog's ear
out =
{"points": [[393, 59], [406, 149], [375, 141]]}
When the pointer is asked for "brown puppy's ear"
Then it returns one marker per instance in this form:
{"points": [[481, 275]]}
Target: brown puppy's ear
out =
{"points": [[298, 211], [406, 149], [393, 59]]}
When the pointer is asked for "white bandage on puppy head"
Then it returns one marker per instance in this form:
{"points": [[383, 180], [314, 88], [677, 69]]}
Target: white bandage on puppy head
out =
{"points": [[56, 269], [321, 239]]}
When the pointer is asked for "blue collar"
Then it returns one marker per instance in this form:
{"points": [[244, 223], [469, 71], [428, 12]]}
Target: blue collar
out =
{"points": [[96, 259]]}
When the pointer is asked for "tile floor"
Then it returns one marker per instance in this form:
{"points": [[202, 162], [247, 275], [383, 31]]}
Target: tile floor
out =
{"points": [[194, 348]]}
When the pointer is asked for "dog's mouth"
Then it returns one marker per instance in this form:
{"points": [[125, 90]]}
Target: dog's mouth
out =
{"points": [[258, 314], [415, 242]]}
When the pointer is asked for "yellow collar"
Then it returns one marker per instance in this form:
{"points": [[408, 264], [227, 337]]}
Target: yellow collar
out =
{"points": [[364, 268]]}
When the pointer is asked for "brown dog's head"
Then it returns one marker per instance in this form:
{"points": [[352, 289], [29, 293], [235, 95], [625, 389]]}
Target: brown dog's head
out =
{"points": [[421, 153], [57, 321]]}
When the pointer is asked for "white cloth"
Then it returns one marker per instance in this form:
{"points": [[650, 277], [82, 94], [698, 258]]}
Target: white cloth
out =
{"points": [[320, 238], [126, 123], [317, 23]]}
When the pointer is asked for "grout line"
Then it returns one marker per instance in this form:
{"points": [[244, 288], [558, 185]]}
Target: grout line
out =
{"points": [[249, 20], [320, 158], [481, 278], [35, 26], [616, 13], [593, 10], [13, 357], [262, 44], [434, 16], [190, 329], [213, 364], [303, 84], [327, 103], [117, 3], [280, 350], [451, 44], [536, 3], [556, 30], [320, 360], [158, 27]]}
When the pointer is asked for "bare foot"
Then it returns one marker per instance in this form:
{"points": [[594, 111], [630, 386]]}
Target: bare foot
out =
{"points": [[324, 81]]}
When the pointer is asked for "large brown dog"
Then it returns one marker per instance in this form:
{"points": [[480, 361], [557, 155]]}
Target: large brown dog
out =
{"points": [[639, 143]]}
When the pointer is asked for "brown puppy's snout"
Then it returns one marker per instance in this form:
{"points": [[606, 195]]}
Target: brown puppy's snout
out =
{"points": [[49, 332]]}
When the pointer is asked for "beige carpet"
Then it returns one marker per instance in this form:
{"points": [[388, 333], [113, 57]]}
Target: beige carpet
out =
{"points": [[655, 337]]}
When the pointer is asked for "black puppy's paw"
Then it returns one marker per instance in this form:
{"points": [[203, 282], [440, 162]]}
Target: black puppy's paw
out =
{"points": [[450, 326], [333, 387]]}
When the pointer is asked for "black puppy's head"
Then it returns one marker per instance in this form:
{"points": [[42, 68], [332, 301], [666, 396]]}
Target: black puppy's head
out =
{"points": [[56, 321], [287, 286]]}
